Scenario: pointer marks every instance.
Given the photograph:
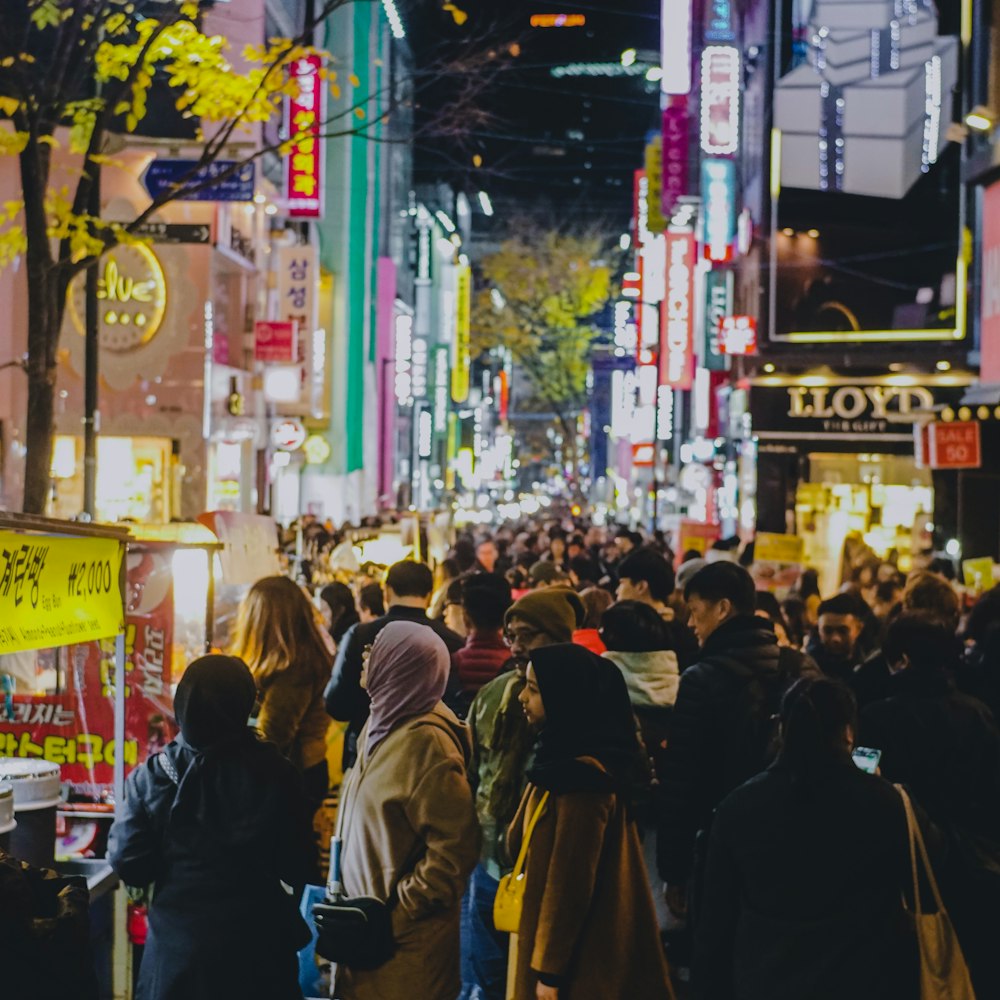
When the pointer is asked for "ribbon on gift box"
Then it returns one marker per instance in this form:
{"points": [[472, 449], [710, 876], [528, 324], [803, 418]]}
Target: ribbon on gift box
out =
{"points": [[886, 46], [831, 137]]}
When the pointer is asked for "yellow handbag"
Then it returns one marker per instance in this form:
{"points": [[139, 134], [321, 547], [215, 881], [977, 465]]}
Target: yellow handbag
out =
{"points": [[510, 895]]}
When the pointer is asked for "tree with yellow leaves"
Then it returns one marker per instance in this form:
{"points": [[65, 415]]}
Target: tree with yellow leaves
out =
{"points": [[542, 293], [77, 74]]}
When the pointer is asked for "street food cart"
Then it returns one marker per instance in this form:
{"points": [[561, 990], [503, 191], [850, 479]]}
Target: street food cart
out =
{"points": [[62, 586]]}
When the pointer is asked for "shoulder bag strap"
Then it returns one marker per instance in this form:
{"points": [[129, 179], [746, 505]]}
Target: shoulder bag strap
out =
{"points": [[918, 847], [168, 768], [522, 854]]}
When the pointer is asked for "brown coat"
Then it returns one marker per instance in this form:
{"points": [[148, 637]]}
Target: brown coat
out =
{"points": [[410, 830], [293, 717], [588, 914]]}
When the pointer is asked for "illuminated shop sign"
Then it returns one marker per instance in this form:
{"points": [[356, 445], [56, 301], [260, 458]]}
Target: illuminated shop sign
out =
{"points": [[304, 163], [677, 325], [418, 368], [738, 335], [718, 192], [404, 357], [849, 409], [132, 298], [718, 305], [288, 435], [558, 20], [720, 100], [675, 19], [676, 142], [461, 359], [719, 21], [990, 335]]}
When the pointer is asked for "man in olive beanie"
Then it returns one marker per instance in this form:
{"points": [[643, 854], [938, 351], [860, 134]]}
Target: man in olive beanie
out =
{"points": [[553, 613], [502, 743]]}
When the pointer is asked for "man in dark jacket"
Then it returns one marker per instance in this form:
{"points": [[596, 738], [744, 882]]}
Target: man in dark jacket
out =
{"points": [[408, 589], [839, 644], [645, 576], [721, 731]]}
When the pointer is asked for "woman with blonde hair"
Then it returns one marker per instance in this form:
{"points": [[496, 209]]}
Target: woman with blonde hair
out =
{"points": [[278, 638]]}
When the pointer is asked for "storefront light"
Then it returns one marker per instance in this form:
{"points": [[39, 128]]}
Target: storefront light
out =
{"points": [[191, 566], [953, 548]]}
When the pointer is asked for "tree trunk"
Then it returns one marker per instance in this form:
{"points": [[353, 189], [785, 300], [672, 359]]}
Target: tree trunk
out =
{"points": [[46, 306], [45, 314]]}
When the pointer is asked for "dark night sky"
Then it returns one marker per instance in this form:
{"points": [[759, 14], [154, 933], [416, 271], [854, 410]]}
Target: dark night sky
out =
{"points": [[572, 143]]}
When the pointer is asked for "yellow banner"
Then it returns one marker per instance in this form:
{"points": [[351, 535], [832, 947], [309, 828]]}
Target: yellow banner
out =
{"points": [[778, 548], [463, 330], [978, 574], [55, 591]]}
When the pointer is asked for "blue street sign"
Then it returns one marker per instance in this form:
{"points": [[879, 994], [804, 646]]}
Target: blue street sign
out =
{"points": [[164, 175]]}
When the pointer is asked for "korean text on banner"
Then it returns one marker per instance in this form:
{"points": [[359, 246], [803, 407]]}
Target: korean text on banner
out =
{"points": [[55, 591], [304, 164], [461, 358]]}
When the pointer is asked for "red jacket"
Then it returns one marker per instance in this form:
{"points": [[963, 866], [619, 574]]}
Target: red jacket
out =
{"points": [[480, 660], [590, 639]]}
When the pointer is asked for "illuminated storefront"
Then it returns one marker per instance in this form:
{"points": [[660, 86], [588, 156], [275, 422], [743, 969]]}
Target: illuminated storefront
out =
{"points": [[136, 478], [837, 462]]}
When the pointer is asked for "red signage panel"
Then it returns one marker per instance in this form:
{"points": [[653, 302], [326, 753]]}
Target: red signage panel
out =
{"points": [[677, 322], [738, 335], [955, 445], [304, 164], [275, 341]]}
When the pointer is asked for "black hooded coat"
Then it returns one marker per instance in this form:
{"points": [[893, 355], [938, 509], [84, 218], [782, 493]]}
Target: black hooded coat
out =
{"points": [[212, 824]]}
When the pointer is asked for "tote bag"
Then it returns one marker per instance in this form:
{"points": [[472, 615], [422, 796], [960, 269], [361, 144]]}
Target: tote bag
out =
{"points": [[943, 972]]}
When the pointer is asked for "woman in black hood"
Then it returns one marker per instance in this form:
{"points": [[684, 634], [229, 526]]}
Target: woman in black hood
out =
{"points": [[587, 928], [214, 823]]}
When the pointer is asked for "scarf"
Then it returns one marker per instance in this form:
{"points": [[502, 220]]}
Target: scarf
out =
{"points": [[407, 676], [587, 715]]}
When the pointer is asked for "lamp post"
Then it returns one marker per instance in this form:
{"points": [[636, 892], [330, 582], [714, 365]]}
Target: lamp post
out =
{"points": [[91, 367]]}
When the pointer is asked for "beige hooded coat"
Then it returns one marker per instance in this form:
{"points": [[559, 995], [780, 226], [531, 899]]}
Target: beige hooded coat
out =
{"points": [[410, 832]]}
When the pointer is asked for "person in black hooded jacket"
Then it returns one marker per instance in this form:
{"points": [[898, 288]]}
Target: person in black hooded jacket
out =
{"points": [[721, 731], [212, 824], [945, 746], [807, 869]]}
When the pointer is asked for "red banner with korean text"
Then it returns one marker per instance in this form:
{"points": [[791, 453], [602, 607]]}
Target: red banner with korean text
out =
{"points": [[73, 725], [304, 164]]}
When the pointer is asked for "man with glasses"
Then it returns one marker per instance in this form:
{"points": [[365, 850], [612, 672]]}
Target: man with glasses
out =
{"points": [[502, 743]]}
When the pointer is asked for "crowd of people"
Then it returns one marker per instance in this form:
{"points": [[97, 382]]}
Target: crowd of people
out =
{"points": [[663, 752]]}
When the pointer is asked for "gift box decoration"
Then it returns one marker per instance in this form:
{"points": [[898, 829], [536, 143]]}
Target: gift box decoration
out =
{"points": [[864, 115]]}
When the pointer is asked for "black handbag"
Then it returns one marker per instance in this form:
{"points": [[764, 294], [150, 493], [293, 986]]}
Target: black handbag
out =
{"points": [[356, 932]]}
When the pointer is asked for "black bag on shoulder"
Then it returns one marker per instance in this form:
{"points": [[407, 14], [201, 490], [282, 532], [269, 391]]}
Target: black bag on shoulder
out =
{"points": [[353, 932]]}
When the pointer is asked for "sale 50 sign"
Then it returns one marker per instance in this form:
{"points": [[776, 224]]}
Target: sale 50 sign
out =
{"points": [[954, 445]]}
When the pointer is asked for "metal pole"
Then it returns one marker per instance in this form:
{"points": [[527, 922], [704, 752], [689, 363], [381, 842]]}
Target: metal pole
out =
{"points": [[91, 370]]}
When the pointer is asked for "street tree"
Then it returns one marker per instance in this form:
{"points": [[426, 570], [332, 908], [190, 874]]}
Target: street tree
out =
{"points": [[542, 292], [77, 77]]}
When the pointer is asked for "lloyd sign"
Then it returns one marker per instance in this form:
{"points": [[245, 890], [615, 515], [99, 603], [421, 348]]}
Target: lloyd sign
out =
{"points": [[843, 409], [852, 402]]}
